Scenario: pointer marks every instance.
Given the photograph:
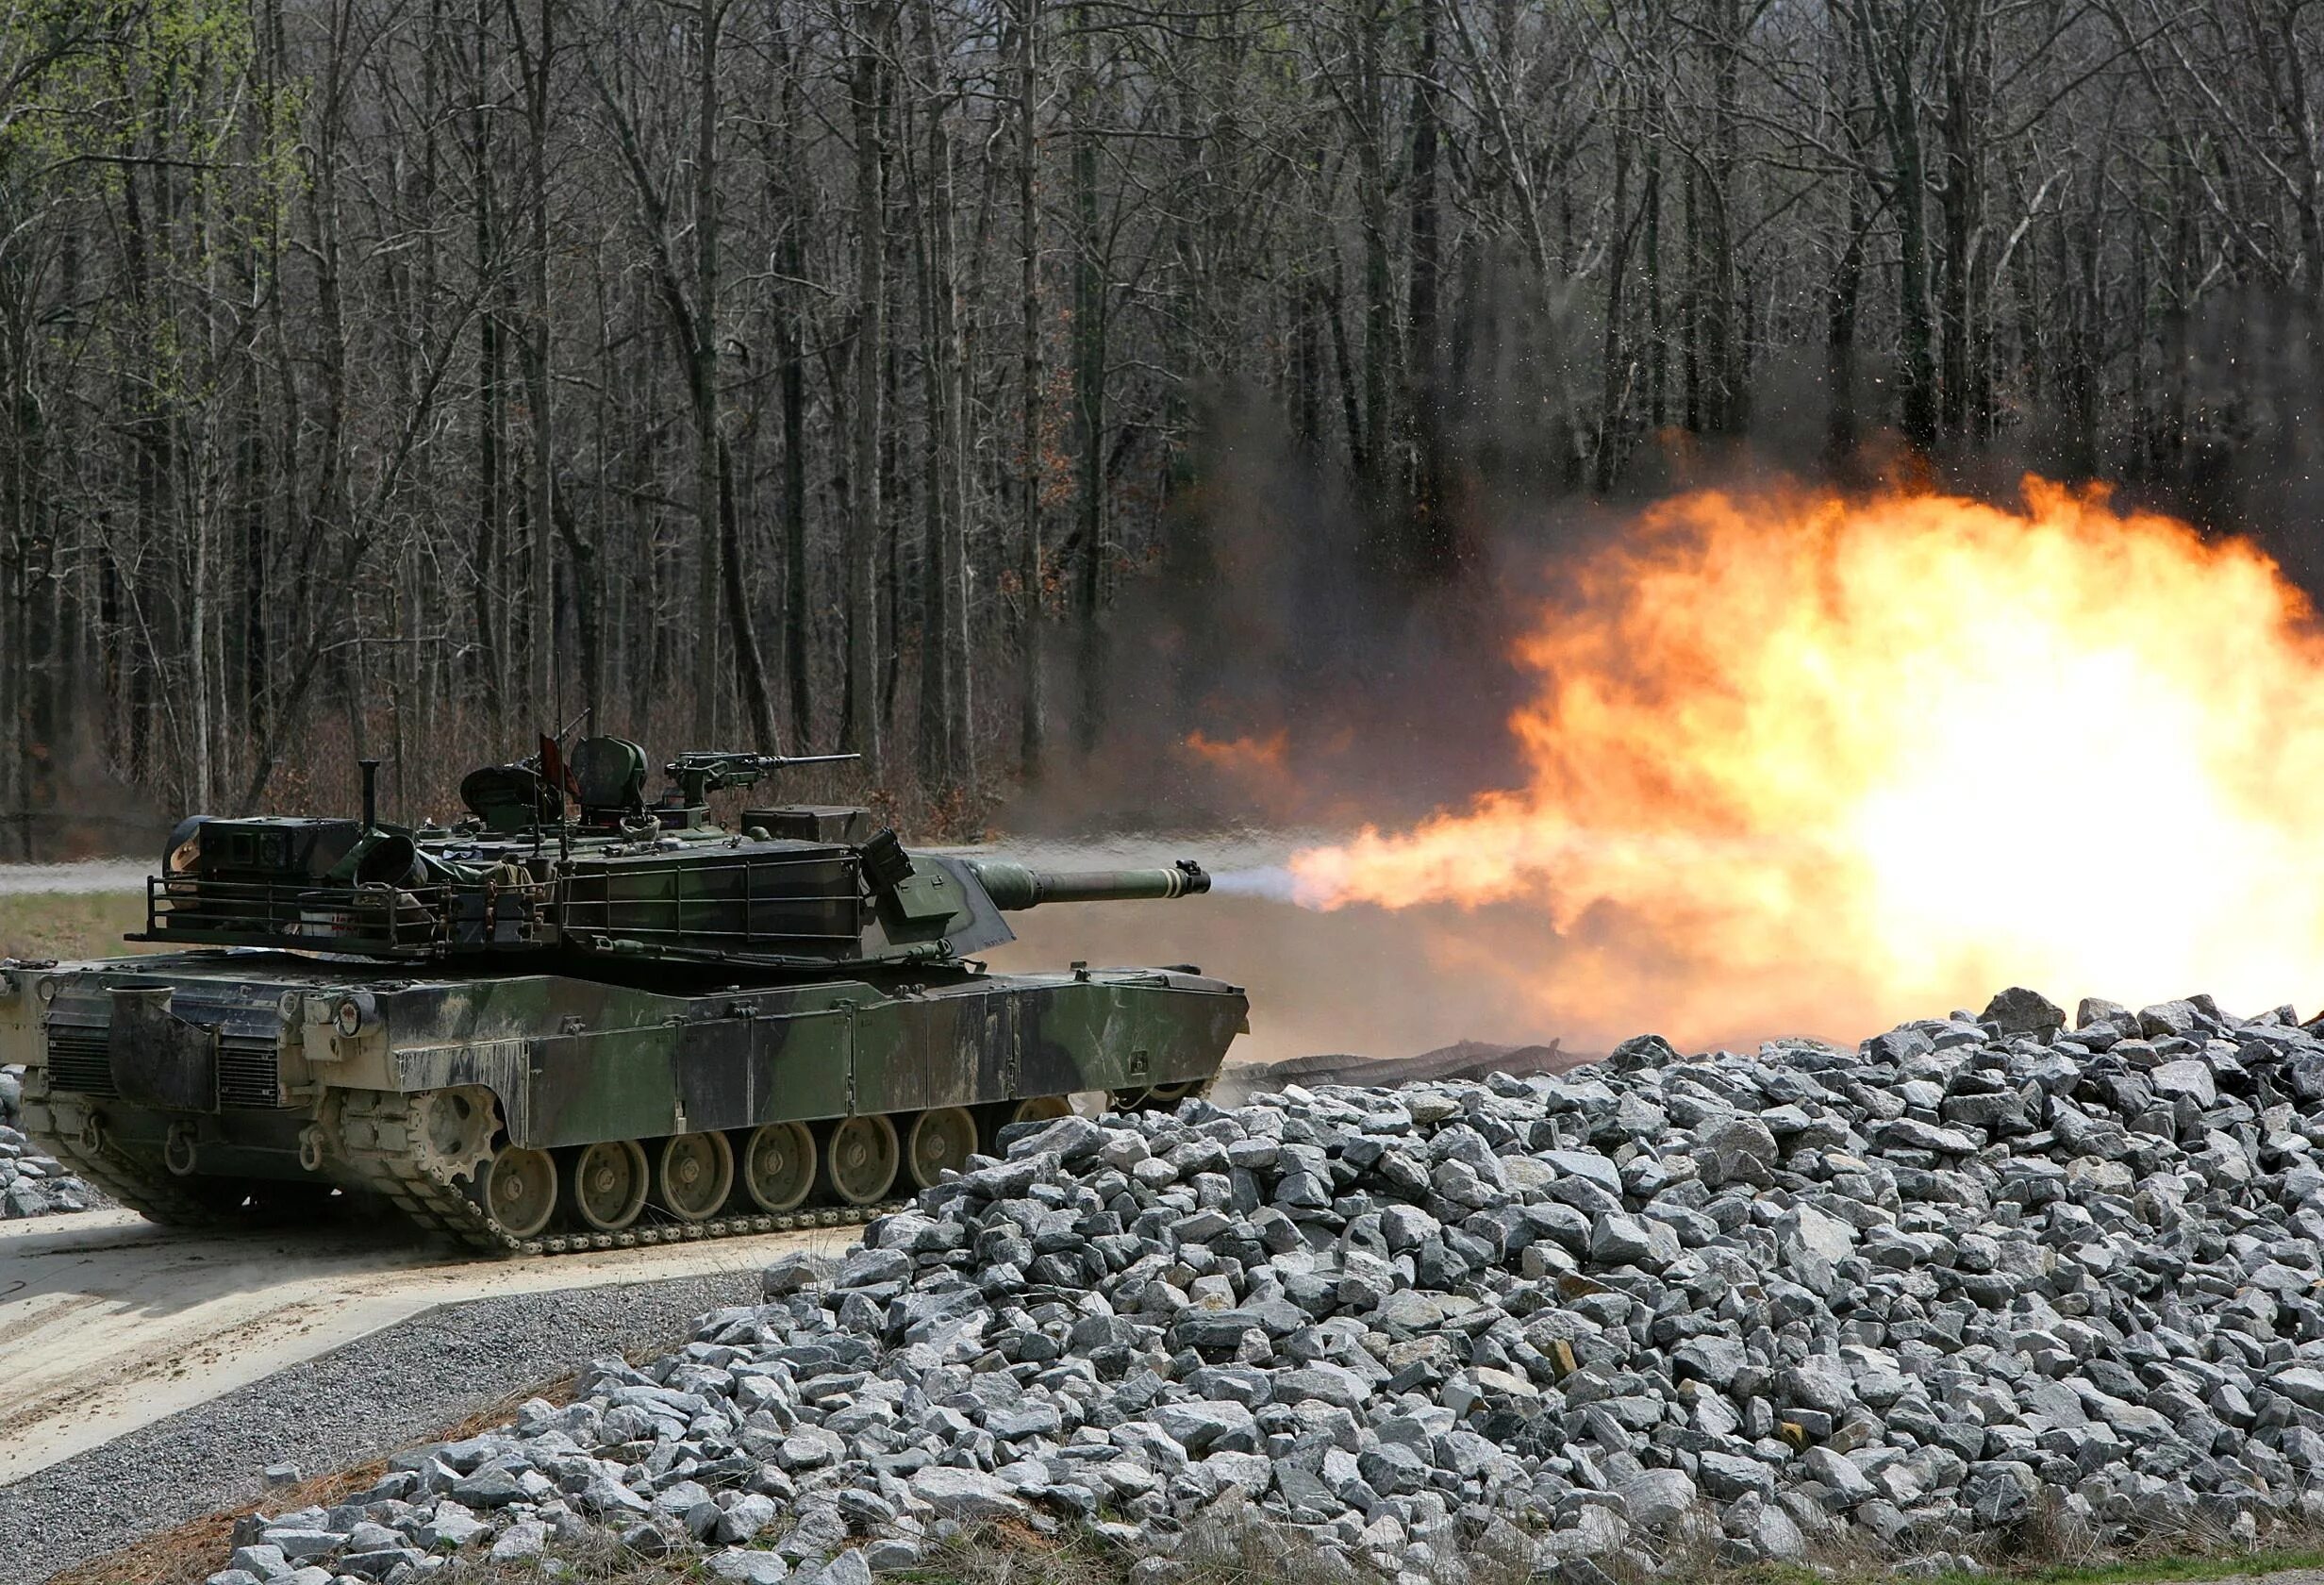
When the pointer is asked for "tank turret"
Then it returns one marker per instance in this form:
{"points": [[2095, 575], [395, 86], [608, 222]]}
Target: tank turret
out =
{"points": [[807, 887]]}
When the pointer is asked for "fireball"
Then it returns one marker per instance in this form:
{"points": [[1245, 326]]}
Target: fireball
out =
{"points": [[1798, 760]]}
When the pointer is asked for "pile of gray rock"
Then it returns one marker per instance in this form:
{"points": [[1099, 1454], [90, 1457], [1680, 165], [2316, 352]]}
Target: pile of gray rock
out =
{"points": [[1983, 1279], [32, 1184]]}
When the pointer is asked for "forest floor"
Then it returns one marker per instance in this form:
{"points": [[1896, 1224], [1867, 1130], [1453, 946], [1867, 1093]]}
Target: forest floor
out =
{"points": [[1009, 1554]]}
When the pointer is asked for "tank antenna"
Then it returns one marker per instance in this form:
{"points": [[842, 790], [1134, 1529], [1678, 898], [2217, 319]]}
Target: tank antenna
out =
{"points": [[371, 794]]}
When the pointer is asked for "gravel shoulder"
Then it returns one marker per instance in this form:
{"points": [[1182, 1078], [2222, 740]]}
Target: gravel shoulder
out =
{"points": [[385, 1391]]}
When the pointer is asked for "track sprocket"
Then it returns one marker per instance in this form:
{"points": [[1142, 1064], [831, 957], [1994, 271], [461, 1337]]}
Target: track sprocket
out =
{"points": [[452, 1130]]}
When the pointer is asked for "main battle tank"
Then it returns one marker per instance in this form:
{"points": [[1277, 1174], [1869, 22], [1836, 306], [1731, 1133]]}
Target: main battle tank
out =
{"points": [[539, 1029]]}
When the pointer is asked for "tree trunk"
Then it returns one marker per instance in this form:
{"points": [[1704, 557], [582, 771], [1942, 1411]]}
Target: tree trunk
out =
{"points": [[1690, 301], [1723, 348], [945, 751], [1378, 283], [1434, 533], [1909, 198], [750, 665], [792, 380], [1840, 304], [1306, 364], [2080, 381], [1613, 382], [491, 418], [1033, 706], [588, 598], [537, 60], [861, 732], [707, 442], [1657, 343], [1091, 301], [788, 214], [1959, 205]]}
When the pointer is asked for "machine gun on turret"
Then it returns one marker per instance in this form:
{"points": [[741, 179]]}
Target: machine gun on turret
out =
{"points": [[694, 776]]}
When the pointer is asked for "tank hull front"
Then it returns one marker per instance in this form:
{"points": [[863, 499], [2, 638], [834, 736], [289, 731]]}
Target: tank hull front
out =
{"points": [[175, 1081]]}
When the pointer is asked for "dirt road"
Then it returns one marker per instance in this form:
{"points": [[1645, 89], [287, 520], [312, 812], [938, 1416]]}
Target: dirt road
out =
{"points": [[107, 1324], [85, 874]]}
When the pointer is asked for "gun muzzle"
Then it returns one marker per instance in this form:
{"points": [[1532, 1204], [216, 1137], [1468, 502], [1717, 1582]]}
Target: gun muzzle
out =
{"points": [[1021, 886]]}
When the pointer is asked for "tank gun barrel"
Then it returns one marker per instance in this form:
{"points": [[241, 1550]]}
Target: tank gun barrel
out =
{"points": [[1022, 886]]}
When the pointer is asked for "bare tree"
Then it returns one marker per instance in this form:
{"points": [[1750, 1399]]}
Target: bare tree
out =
{"points": [[391, 373]]}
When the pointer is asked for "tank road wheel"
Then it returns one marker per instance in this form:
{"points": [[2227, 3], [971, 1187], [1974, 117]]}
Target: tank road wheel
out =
{"points": [[940, 1139], [1004, 1114], [607, 1184], [859, 1158], [519, 1190], [778, 1165], [697, 1173]]}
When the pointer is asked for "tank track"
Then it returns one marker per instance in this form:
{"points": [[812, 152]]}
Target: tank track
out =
{"points": [[375, 1138], [127, 1181]]}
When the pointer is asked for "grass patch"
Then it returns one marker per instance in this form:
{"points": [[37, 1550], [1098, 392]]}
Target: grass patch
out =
{"points": [[2162, 1568], [2157, 1570], [68, 924]]}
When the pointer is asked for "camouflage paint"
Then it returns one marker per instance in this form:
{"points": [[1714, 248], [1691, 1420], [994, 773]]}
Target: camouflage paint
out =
{"points": [[633, 976]]}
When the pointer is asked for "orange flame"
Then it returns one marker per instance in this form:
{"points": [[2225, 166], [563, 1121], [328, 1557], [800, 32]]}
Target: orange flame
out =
{"points": [[1264, 756], [1799, 763]]}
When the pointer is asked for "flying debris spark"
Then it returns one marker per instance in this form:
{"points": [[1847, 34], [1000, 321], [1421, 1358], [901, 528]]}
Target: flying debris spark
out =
{"points": [[1798, 761]]}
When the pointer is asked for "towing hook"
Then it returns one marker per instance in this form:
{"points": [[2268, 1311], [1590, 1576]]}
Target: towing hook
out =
{"points": [[181, 1151]]}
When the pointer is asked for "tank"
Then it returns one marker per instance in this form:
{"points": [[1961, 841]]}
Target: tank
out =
{"points": [[576, 1019]]}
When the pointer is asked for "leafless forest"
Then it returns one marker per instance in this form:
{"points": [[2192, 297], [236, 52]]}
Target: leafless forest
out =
{"points": [[403, 376]]}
